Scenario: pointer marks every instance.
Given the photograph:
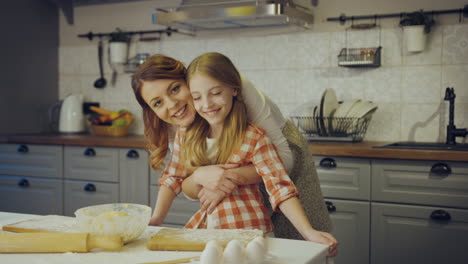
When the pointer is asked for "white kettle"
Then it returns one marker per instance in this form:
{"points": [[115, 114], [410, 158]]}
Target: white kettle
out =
{"points": [[71, 118]]}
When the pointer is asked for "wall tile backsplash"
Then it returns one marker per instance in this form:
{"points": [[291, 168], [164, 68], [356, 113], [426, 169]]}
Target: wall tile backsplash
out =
{"points": [[296, 68]]}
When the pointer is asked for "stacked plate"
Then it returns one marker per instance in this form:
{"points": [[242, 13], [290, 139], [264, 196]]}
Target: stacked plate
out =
{"points": [[333, 118]]}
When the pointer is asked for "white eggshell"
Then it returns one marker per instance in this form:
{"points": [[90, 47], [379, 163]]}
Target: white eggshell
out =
{"points": [[234, 252], [214, 244], [212, 254], [255, 251]]}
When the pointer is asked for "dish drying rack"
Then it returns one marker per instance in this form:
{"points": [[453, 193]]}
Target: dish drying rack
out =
{"points": [[345, 129]]}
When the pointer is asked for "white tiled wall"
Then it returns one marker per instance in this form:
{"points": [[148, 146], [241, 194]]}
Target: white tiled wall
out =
{"points": [[296, 68]]}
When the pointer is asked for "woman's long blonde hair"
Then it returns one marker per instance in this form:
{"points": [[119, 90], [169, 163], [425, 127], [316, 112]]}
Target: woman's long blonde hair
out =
{"points": [[220, 68], [156, 131]]}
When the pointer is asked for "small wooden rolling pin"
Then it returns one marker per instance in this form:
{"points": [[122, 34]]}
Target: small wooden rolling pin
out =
{"points": [[56, 242]]}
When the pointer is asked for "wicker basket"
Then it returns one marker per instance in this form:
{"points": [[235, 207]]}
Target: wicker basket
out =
{"points": [[113, 131]]}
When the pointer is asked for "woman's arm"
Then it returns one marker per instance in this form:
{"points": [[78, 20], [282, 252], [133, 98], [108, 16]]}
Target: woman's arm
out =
{"points": [[163, 204], [263, 112], [224, 178]]}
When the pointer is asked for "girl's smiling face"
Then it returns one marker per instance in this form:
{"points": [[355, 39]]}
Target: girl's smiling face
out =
{"points": [[212, 101], [170, 100]]}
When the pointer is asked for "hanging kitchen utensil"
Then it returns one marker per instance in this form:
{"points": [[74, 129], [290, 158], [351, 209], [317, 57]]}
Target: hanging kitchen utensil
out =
{"points": [[101, 82], [112, 66]]}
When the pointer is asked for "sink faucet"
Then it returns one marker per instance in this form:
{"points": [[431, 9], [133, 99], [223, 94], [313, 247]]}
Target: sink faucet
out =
{"points": [[452, 130]]}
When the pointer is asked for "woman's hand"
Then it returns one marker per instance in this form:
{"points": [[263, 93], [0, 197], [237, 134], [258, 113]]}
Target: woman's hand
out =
{"points": [[323, 238], [210, 199], [155, 221], [216, 177]]}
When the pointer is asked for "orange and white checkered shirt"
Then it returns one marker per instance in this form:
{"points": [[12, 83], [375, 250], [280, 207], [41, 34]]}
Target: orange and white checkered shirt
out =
{"points": [[244, 208]]}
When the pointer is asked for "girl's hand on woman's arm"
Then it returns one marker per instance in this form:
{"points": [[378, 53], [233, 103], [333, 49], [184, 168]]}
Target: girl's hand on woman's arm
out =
{"points": [[215, 177], [209, 199]]}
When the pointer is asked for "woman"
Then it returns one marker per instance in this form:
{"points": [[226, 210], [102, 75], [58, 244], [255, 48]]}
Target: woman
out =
{"points": [[160, 88]]}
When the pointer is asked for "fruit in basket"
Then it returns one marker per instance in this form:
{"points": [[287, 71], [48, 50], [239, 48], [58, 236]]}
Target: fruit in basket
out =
{"points": [[120, 122]]}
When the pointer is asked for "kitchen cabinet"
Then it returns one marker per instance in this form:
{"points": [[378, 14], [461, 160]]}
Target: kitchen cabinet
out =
{"points": [[345, 183], [31, 195], [182, 208], [99, 175], [56, 179], [419, 209], [31, 178], [397, 211]]}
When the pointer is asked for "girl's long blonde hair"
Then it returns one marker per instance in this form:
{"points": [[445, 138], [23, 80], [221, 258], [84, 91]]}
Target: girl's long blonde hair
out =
{"points": [[220, 68], [156, 130]]}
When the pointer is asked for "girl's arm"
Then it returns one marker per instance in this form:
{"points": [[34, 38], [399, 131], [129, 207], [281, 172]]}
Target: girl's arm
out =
{"points": [[163, 204], [294, 211]]}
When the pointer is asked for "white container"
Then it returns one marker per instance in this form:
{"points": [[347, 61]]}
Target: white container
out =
{"points": [[71, 118], [118, 52], [415, 38]]}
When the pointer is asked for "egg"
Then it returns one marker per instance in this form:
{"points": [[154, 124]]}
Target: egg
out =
{"points": [[212, 254], [255, 250], [234, 252]]}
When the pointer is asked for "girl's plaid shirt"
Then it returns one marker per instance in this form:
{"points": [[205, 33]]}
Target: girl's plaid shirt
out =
{"points": [[244, 208]]}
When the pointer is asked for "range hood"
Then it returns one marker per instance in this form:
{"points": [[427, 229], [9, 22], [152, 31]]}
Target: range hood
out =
{"points": [[215, 15]]}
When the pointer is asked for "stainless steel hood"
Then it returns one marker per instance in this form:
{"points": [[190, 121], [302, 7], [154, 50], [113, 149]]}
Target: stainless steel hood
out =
{"points": [[215, 15]]}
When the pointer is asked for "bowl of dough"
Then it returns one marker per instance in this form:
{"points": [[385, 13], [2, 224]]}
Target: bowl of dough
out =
{"points": [[124, 219]]}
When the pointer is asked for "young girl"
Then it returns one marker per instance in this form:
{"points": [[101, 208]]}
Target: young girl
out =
{"points": [[220, 134]]}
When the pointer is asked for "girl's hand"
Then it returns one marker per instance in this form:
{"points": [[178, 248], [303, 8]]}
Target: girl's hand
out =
{"points": [[323, 238], [210, 199], [215, 177]]}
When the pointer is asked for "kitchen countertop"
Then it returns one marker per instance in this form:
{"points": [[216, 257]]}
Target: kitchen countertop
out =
{"points": [[345, 149], [285, 251]]}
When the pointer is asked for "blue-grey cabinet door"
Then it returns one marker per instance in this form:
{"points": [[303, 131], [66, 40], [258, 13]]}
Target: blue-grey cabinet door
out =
{"points": [[31, 160], [86, 193], [408, 234], [31, 195], [351, 228], [134, 176]]}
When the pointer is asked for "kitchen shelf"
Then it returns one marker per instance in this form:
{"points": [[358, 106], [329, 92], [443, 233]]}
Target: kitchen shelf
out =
{"points": [[360, 57]]}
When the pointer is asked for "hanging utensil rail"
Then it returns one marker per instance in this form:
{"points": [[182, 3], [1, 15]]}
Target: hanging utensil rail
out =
{"points": [[168, 31], [462, 12]]}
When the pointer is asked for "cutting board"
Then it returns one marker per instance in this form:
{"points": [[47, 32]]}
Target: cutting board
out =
{"points": [[195, 239], [45, 223]]}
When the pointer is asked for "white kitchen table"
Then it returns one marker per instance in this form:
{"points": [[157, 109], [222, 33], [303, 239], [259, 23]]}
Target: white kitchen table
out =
{"points": [[284, 251]]}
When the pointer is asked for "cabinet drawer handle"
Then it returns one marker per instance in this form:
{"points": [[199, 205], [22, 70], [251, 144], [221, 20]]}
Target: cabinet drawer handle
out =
{"points": [[90, 152], [23, 183], [330, 207], [441, 169], [23, 149], [90, 187], [328, 163], [440, 215], [132, 154]]}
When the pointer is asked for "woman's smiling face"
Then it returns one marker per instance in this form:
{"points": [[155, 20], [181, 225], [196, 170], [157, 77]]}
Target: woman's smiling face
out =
{"points": [[170, 100], [212, 99]]}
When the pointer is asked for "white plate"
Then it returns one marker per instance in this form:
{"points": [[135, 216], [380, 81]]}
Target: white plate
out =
{"points": [[361, 109], [340, 122], [328, 105]]}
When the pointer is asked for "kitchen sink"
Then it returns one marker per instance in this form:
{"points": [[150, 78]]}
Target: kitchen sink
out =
{"points": [[426, 146]]}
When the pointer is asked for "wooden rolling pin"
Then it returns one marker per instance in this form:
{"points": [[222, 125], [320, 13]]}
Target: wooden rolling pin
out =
{"points": [[56, 242]]}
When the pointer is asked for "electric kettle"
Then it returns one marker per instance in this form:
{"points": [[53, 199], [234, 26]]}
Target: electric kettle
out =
{"points": [[71, 118]]}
